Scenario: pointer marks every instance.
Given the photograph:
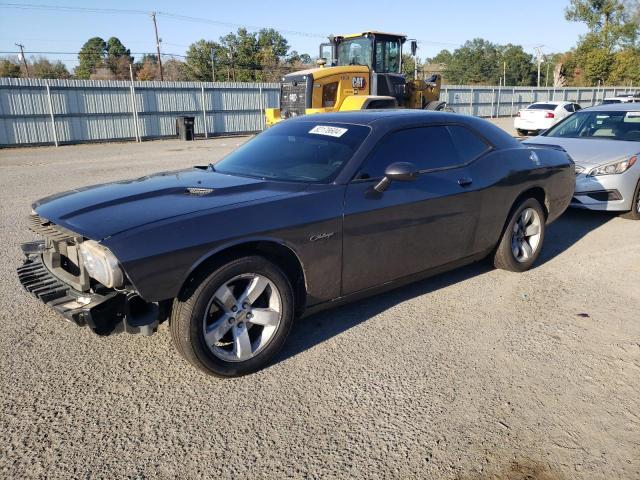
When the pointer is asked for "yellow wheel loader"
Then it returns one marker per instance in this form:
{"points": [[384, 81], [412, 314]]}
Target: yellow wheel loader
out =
{"points": [[356, 72]]}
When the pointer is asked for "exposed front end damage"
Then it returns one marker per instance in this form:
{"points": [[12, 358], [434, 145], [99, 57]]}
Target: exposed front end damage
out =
{"points": [[54, 273]]}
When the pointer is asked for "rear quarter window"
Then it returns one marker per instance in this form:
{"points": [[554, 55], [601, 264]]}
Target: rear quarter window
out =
{"points": [[467, 143]]}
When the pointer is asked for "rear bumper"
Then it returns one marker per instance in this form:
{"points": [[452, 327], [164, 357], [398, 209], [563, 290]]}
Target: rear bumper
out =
{"points": [[110, 313], [533, 125]]}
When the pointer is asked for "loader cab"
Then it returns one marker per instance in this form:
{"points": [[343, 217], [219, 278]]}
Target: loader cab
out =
{"points": [[380, 52]]}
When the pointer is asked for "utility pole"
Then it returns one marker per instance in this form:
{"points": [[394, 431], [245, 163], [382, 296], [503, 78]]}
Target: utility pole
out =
{"points": [[213, 65], [504, 74], [539, 60], [24, 60], [158, 40]]}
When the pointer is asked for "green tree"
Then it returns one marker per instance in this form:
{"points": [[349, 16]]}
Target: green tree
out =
{"points": [[625, 67], [115, 49], [475, 62], [118, 58], [198, 64], [90, 57], [298, 58], [9, 68], [43, 68], [271, 39], [520, 69], [613, 29], [610, 21]]}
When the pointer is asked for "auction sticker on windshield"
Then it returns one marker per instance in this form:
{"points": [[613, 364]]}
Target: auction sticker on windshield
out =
{"points": [[330, 131]]}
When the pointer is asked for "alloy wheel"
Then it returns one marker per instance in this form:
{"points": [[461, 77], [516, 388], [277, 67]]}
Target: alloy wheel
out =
{"points": [[242, 317], [525, 237]]}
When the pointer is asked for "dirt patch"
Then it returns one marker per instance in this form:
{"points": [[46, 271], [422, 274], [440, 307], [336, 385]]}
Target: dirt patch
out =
{"points": [[522, 469]]}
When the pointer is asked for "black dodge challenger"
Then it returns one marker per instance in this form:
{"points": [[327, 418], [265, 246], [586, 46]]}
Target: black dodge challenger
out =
{"points": [[315, 211]]}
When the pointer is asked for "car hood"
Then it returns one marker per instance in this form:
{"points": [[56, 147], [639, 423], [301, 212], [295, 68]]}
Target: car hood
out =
{"points": [[589, 152], [100, 211]]}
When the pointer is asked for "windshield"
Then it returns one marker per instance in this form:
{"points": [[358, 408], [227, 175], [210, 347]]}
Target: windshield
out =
{"points": [[299, 151], [357, 51], [597, 124]]}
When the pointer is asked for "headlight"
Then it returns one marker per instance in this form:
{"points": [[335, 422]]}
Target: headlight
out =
{"points": [[101, 264], [614, 168]]}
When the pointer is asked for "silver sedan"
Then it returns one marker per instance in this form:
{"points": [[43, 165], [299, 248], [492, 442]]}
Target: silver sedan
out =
{"points": [[604, 142]]}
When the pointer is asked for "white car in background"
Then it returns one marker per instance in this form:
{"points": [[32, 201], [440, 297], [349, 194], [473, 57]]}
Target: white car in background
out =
{"points": [[542, 115]]}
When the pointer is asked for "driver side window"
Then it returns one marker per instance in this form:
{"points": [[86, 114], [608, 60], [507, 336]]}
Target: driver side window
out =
{"points": [[426, 147]]}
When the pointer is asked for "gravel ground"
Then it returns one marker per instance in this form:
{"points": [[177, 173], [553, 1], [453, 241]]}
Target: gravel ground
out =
{"points": [[475, 374]]}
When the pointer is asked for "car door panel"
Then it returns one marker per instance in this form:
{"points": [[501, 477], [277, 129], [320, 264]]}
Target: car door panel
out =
{"points": [[409, 228]]}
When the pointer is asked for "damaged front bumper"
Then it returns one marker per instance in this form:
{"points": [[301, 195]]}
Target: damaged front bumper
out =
{"points": [[104, 313]]}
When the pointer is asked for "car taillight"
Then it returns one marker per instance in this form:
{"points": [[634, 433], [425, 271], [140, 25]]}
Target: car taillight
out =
{"points": [[550, 115]]}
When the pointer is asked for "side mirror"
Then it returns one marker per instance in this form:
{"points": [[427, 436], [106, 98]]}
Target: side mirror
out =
{"points": [[398, 172]]}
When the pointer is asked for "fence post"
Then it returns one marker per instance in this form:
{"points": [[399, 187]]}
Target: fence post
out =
{"points": [[134, 110], [53, 120], [261, 109], [493, 97], [498, 102], [513, 99], [471, 101], [204, 113]]}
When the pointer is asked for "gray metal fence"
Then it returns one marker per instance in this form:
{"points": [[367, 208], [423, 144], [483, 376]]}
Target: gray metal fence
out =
{"points": [[34, 112], [37, 112], [506, 101]]}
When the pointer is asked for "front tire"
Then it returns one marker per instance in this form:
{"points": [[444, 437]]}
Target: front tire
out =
{"points": [[235, 319], [522, 133], [634, 214], [522, 239]]}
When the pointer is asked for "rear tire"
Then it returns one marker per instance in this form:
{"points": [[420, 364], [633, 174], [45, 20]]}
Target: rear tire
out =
{"points": [[233, 320], [522, 238], [634, 213]]}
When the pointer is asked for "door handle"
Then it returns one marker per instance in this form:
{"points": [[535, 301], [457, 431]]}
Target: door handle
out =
{"points": [[464, 181]]}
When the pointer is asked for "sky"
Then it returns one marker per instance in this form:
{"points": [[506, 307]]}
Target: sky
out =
{"points": [[437, 24]]}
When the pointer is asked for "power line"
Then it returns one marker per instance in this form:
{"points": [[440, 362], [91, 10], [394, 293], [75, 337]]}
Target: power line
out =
{"points": [[237, 25], [86, 53], [29, 6]]}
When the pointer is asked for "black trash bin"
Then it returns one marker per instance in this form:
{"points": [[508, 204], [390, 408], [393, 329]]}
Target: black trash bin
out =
{"points": [[184, 127]]}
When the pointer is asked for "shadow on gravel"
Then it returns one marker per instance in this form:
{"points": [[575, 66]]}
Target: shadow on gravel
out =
{"points": [[568, 229], [310, 331], [315, 329]]}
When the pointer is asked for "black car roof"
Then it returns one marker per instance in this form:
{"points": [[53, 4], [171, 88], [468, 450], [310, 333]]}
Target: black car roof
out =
{"points": [[388, 119], [367, 117]]}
